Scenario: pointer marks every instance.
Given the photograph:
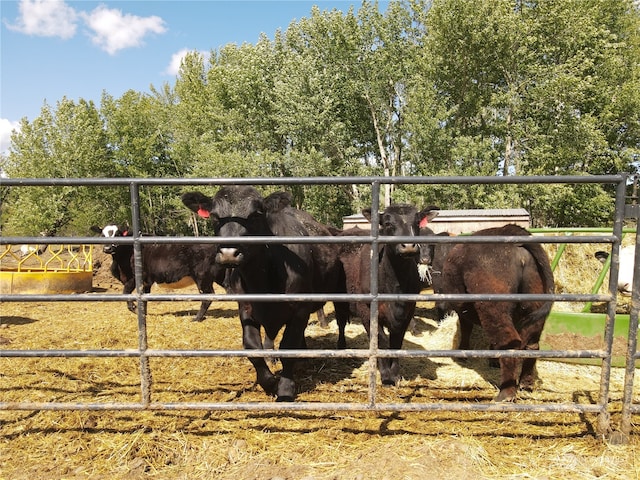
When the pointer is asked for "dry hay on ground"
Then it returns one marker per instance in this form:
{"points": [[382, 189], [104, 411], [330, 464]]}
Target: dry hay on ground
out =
{"points": [[578, 270], [253, 445]]}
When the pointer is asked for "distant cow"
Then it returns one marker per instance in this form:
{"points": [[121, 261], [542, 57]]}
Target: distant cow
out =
{"points": [[240, 211], [397, 273], [627, 264], [164, 264], [432, 258], [502, 268], [26, 250]]}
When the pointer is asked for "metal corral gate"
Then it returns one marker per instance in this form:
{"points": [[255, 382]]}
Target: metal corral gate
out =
{"points": [[600, 408]]}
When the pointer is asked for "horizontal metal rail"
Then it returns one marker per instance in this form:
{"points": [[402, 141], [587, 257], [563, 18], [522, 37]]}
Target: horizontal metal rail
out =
{"points": [[271, 240], [281, 407], [329, 297], [311, 353], [366, 180]]}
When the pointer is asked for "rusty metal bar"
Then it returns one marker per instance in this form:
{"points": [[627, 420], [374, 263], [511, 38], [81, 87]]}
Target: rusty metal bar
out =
{"points": [[315, 353], [330, 297], [214, 182], [628, 407], [307, 407], [373, 290]]}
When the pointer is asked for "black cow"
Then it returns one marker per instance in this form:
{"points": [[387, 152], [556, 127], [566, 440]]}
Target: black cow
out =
{"points": [[502, 268], [164, 264], [432, 258], [239, 211], [397, 273]]}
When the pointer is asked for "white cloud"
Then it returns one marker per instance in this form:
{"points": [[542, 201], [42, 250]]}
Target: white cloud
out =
{"points": [[46, 18], [110, 29], [114, 31], [6, 127], [176, 60]]}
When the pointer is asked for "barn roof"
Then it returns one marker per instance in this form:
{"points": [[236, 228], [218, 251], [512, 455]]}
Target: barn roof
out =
{"points": [[459, 221]]}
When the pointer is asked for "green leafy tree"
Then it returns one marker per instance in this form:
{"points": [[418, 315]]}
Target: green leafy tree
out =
{"points": [[139, 132], [528, 88], [68, 142]]}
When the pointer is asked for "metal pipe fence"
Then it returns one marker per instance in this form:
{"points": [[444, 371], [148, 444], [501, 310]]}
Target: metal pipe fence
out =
{"points": [[601, 407]]}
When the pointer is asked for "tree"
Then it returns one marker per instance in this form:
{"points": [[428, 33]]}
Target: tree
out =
{"points": [[529, 88], [140, 137], [66, 143]]}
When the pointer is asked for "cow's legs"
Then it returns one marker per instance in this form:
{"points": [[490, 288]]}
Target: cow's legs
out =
{"points": [[528, 373], [497, 324], [530, 341], [322, 317], [128, 288], [204, 306], [390, 367], [251, 340], [204, 287], [385, 366], [292, 338], [467, 317], [342, 318]]}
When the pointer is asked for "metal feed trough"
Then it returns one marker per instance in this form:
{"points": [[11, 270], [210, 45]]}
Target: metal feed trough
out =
{"points": [[51, 269], [601, 407]]}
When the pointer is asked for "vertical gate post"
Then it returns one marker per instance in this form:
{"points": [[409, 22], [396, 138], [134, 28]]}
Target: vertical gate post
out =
{"points": [[604, 418], [141, 311], [373, 290], [632, 345]]}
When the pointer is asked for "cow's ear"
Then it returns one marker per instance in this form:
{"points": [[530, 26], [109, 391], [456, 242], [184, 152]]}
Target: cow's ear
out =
{"points": [[203, 213], [95, 229], [367, 214], [277, 201], [198, 202], [428, 214]]}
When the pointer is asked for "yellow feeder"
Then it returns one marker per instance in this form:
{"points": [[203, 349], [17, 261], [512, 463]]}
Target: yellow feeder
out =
{"points": [[56, 269]]}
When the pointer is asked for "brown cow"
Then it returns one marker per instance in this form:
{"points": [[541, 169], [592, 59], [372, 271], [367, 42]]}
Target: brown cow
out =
{"points": [[502, 268]]}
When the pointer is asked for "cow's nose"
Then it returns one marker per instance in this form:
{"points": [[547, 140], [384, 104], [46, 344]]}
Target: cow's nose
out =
{"points": [[229, 256], [109, 249], [408, 249]]}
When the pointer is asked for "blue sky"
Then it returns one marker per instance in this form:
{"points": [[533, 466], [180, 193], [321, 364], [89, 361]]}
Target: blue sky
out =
{"points": [[50, 49]]}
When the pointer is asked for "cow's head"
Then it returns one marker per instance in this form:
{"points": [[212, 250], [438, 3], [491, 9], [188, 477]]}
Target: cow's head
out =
{"points": [[403, 221], [111, 231], [426, 249], [235, 211]]}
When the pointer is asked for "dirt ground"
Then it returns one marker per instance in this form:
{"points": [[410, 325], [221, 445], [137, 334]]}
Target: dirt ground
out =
{"points": [[201, 444]]}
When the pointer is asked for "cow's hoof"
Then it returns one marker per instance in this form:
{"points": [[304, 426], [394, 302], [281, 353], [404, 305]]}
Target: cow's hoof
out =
{"points": [[285, 399], [506, 396], [527, 384], [286, 390], [389, 382], [269, 385]]}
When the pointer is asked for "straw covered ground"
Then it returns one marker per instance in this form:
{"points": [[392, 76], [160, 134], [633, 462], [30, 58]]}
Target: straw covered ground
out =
{"points": [[198, 444]]}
